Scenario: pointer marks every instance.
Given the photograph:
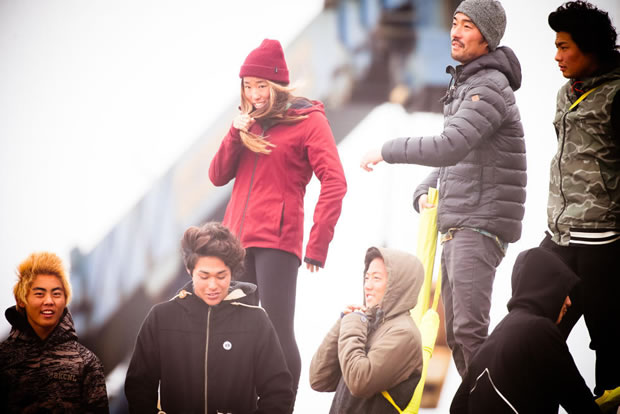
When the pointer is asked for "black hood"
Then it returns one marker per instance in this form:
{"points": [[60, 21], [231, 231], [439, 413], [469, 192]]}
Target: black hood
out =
{"points": [[540, 283], [20, 328]]}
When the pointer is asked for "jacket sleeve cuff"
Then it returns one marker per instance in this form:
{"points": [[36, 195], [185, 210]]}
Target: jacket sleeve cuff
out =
{"points": [[416, 196], [386, 152], [313, 262], [234, 133], [354, 324]]}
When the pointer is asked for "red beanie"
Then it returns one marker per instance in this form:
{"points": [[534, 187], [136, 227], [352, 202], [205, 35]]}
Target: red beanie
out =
{"points": [[266, 62]]}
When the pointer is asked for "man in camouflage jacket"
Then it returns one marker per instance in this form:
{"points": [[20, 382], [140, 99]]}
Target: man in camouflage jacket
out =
{"points": [[43, 368], [583, 210]]}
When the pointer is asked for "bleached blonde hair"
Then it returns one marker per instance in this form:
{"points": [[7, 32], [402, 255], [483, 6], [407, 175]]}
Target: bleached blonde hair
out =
{"points": [[39, 263]]}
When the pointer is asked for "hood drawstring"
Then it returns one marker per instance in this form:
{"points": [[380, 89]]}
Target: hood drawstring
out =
{"points": [[376, 317], [449, 96], [576, 88]]}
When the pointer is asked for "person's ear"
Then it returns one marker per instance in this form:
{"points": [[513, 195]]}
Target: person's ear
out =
{"points": [[21, 304]]}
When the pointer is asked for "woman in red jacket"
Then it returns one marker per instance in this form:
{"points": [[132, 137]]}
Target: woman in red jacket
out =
{"points": [[273, 147]]}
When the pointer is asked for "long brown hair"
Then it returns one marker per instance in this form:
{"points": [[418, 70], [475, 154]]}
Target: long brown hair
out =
{"points": [[274, 112]]}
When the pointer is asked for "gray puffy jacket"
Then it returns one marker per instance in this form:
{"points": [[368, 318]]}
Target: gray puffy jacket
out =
{"points": [[481, 151]]}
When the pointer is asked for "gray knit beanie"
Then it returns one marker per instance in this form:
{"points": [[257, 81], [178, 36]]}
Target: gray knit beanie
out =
{"points": [[488, 16]]}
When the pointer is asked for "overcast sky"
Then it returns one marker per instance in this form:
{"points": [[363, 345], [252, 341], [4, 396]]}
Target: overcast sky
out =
{"points": [[98, 98]]}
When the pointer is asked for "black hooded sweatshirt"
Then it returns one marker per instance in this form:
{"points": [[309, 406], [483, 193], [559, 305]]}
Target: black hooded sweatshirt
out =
{"points": [[525, 366]]}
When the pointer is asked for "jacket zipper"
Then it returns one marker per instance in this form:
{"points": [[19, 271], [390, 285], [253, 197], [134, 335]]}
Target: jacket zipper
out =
{"points": [[207, 357], [557, 218], [247, 200]]}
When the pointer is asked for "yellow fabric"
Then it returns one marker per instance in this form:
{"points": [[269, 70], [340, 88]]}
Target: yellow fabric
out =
{"points": [[437, 290], [582, 97], [427, 245], [610, 398], [427, 319], [389, 398], [429, 328]]}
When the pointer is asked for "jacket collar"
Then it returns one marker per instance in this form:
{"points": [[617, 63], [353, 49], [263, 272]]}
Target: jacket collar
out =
{"points": [[502, 59], [238, 292], [21, 329], [580, 86]]}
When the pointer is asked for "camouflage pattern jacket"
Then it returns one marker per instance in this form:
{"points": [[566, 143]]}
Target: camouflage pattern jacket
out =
{"points": [[584, 186], [56, 375]]}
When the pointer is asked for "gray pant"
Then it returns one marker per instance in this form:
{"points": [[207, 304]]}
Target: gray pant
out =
{"points": [[468, 264]]}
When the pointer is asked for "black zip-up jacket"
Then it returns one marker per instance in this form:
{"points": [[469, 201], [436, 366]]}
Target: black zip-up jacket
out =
{"points": [[243, 358], [525, 366]]}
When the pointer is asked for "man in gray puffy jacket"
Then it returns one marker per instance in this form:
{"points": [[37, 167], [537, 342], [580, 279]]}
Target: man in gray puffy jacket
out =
{"points": [[481, 170]]}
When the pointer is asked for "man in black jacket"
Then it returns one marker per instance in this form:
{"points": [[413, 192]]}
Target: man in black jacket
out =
{"points": [[207, 350], [525, 365]]}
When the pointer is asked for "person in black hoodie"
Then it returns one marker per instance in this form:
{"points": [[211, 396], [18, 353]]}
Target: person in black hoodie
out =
{"points": [[207, 350], [525, 365]]}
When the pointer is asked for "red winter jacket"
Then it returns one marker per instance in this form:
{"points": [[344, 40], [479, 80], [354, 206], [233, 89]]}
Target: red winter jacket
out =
{"points": [[266, 208]]}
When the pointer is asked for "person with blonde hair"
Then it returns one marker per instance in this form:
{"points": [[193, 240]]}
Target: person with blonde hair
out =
{"points": [[42, 365], [272, 149]]}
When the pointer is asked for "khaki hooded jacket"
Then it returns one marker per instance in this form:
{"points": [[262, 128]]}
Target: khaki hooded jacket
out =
{"points": [[364, 354]]}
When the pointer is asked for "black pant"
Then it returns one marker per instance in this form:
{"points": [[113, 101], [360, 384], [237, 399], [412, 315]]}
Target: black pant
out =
{"points": [[597, 297], [275, 273]]}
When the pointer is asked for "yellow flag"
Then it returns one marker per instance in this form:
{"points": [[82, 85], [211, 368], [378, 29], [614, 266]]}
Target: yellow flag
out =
{"points": [[427, 319]]}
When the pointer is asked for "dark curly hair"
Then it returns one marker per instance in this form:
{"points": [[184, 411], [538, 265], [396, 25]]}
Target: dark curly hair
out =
{"points": [[212, 239], [589, 27]]}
